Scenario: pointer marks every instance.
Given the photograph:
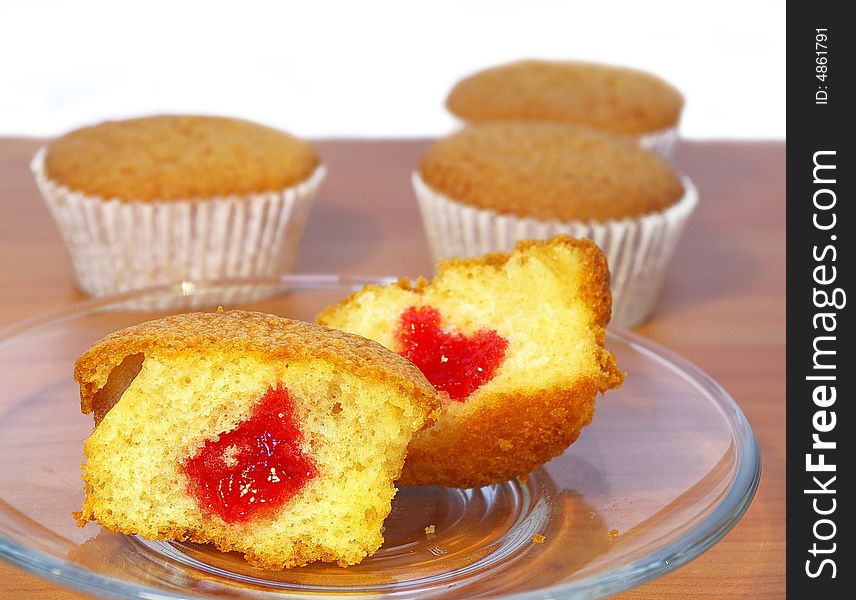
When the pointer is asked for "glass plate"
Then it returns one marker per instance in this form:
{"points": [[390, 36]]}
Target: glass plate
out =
{"points": [[665, 470]]}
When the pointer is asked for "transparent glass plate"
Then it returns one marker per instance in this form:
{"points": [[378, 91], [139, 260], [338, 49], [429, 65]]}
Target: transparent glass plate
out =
{"points": [[665, 470]]}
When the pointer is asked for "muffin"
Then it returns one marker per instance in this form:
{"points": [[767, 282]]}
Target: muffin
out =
{"points": [[156, 200], [487, 186], [518, 381], [613, 99], [275, 438]]}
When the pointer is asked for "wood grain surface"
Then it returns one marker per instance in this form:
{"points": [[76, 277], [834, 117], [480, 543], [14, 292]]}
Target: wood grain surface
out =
{"points": [[723, 306]]}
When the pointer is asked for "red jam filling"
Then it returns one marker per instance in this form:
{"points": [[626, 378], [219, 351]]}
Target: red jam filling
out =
{"points": [[454, 363], [257, 466]]}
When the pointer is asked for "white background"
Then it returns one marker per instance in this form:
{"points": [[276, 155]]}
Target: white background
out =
{"points": [[372, 67]]}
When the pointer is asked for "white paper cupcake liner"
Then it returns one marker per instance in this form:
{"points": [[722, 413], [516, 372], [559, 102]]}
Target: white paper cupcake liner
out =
{"points": [[117, 246], [660, 142], [638, 250]]}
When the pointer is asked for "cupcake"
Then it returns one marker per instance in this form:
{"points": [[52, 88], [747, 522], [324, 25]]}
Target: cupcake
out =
{"points": [[162, 199], [272, 437], [612, 99], [488, 186], [517, 385]]}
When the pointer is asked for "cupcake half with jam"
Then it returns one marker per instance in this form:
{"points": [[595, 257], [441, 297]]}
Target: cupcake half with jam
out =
{"points": [[275, 438], [514, 342], [156, 200], [488, 186]]}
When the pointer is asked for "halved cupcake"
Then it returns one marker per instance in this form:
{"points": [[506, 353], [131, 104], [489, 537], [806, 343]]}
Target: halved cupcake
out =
{"points": [[275, 438], [516, 344]]}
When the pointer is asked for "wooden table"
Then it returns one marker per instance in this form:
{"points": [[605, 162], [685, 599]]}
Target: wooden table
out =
{"points": [[723, 306]]}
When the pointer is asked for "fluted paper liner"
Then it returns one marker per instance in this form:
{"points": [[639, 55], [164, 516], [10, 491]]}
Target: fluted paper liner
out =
{"points": [[660, 142], [638, 249]]}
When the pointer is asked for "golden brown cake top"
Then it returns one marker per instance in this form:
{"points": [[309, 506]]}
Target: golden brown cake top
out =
{"points": [[172, 157], [549, 171], [241, 332], [615, 99]]}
